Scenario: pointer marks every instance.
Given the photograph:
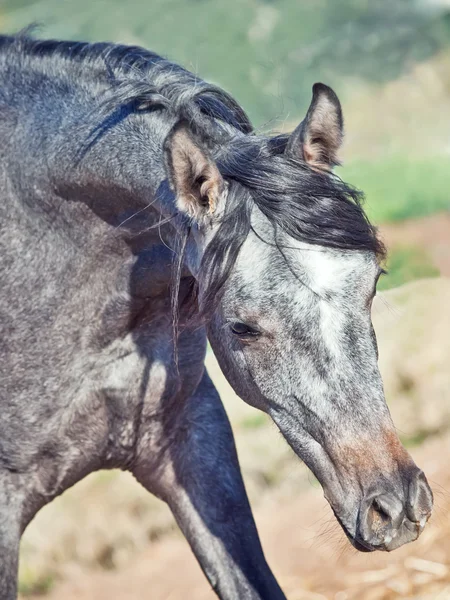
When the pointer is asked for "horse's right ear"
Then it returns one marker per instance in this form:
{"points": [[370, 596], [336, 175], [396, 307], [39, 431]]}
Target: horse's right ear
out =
{"points": [[193, 175]]}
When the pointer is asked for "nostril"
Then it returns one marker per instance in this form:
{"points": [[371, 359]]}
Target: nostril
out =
{"points": [[383, 516], [381, 512], [380, 519]]}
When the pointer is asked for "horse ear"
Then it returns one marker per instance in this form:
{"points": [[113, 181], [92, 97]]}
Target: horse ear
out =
{"points": [[319, 136], [193, 174]]}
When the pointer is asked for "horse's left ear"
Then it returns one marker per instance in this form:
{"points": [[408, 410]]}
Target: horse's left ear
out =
{"points": [[319, 136], [192, 173]]}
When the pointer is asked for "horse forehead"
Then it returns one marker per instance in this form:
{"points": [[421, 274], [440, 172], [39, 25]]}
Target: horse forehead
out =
{"points": [[255, 257], [333, 270], [322, 269]]}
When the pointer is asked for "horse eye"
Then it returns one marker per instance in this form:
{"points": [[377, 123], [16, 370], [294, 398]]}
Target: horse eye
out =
{"points": [[242, 330]]}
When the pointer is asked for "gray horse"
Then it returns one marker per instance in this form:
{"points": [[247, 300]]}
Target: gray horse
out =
{"points": [[141, 216]]}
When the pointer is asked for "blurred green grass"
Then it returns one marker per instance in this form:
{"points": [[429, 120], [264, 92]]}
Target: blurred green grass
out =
{"points": [[397, 188], [267, 53], [34, 583], [406, 263], [400, 187]]}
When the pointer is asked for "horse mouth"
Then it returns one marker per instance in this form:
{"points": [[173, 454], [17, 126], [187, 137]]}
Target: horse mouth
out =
{"points": [[358, 544]]}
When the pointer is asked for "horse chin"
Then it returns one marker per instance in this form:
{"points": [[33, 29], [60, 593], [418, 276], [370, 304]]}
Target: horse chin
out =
{"points": [[357, 544]]}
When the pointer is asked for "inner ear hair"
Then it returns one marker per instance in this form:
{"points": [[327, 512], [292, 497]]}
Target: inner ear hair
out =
{"points": [[192, 172]]}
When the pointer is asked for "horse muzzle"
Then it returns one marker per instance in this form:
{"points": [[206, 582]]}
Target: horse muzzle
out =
{"points": [[389, 519]]}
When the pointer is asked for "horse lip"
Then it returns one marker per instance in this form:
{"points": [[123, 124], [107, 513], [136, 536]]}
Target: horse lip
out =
{"points": [[363, 546], [357, 543], [360, 544]]}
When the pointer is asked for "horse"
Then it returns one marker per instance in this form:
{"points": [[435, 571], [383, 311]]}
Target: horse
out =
{"points": [[142, 215]]}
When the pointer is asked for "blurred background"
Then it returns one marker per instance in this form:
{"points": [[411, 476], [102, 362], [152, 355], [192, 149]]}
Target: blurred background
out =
{"points": [[389, 61]]}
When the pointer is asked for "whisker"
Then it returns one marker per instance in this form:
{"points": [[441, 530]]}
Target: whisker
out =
{"points": [[138, 212]]}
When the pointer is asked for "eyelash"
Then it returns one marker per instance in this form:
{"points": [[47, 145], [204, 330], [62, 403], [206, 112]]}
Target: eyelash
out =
{"points": [[244, 331]]}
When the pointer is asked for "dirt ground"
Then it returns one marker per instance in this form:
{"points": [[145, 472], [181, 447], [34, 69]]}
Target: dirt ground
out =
{"points": [[307, 552]]}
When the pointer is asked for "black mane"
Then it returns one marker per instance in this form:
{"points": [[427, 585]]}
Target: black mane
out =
{"points": [[311, 206]]}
